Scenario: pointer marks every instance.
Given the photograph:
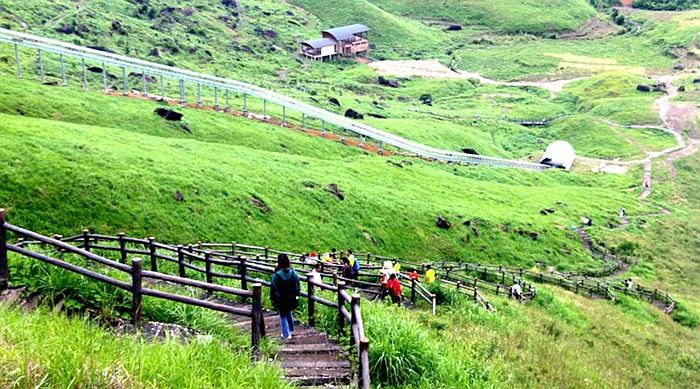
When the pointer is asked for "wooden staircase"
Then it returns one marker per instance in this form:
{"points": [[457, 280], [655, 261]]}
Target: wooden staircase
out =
{"points": [[310, 359]]}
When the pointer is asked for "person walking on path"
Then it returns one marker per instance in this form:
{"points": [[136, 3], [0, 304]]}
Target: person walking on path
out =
{"points": [[393, 286], [517, 292], [354, 265], [316, 274], [430, 275], [284, 294]]}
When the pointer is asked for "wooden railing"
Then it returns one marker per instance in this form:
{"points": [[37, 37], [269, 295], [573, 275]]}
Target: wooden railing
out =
{"points": [[188, 261], [268, 255]]}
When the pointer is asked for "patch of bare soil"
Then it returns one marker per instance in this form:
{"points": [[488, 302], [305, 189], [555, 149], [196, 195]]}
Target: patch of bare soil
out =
{"points": [[594, 28], [434, 69]]}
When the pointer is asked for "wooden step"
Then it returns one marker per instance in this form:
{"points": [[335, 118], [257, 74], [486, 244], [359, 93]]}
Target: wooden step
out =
{"points": [[315, 377], [311, 348], [315, 361], [308, 339]]}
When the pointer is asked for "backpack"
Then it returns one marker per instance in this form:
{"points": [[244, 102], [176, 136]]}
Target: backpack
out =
{"points": [[286, 290], [356, 266]]}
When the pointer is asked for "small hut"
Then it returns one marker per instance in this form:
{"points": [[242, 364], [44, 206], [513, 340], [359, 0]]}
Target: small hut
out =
{"points": [[559, 154], [343, 41]]}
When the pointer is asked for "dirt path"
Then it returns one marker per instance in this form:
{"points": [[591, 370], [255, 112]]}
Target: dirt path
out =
{"points": [[675, 117], [434, 69]]}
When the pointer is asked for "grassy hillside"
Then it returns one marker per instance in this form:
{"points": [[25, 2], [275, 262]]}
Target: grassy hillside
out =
{"points": [[83, 354], [537, 17], [121, 161], [71, 160]]}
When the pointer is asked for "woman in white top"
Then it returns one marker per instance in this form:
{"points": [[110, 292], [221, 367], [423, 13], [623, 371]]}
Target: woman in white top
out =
{"points": [[316, 274]]}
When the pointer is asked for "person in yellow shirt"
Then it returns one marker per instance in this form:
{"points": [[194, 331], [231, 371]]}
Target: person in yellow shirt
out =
{"points": [[397, 268], [354, 265], [430, 275]]}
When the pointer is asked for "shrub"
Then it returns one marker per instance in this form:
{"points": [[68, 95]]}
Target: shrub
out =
{"points": [[400, 352], [685, 317]]}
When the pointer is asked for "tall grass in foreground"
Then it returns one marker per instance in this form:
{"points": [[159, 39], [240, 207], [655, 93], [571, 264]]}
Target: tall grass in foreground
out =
{"points": [[44, 350]]}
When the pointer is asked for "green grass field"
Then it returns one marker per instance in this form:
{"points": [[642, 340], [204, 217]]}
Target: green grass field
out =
{"points": [[50, 350], [71, 160]]}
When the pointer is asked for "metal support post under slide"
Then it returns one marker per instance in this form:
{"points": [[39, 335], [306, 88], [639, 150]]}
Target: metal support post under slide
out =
{"points": [[323, 128], [284, 116], [216, 98], [40, 58], [124, 82], [162, 88], [63, 71], [265, 117], [144, 88], [104, 78], [19, 64], [84, 67], [199, 95], [362, 140], [303, 121], [227, 97], [182, 92], [245, 104]]}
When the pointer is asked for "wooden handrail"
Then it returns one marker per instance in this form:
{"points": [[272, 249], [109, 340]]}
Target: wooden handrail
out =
{"points": [[260, 265]]}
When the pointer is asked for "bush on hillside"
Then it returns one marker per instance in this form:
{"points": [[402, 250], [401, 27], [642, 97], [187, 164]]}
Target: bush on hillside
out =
{"points": [[400, 352], [685, 317], [667, 5]]}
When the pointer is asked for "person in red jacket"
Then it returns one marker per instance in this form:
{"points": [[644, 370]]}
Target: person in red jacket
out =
{"points": [[414, 275], [394, 288]]}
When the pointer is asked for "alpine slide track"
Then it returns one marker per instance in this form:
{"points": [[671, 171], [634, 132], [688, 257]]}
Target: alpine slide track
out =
{"points": [[223, 87]]}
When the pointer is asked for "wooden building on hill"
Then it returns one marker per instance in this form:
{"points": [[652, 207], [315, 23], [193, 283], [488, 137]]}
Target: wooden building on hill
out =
{"points": [[346, 41]]}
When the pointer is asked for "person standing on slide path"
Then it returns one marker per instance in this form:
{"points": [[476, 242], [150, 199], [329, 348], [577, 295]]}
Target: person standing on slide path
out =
{"points": [[284, 294]]}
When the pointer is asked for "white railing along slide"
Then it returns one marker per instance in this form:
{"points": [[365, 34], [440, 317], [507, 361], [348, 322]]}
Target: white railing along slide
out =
{"points": [[18, 39]]}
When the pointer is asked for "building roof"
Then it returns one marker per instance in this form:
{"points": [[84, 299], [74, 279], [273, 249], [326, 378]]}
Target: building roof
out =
{"points": [[318, 43], [346, 32]]}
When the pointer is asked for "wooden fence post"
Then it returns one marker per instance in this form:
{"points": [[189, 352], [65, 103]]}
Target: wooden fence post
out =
{"points": [[136, 291], [207, 269], [413, 291], [267, 252], [233, 249], [341, 304], [335, 278], [355, 301], [86, 239], [256, 323], [4, 269], [310, 299], [122, 247], [243, 272], [498, 287], [434, 296], [181, 261], [152, 251], [369, 256], [364, 363]]}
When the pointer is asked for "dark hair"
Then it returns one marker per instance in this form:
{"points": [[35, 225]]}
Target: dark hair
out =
{"points": [[346, 260], [392, 276], [428, 266], [333, 250], [349, 251], [283, 262]]}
